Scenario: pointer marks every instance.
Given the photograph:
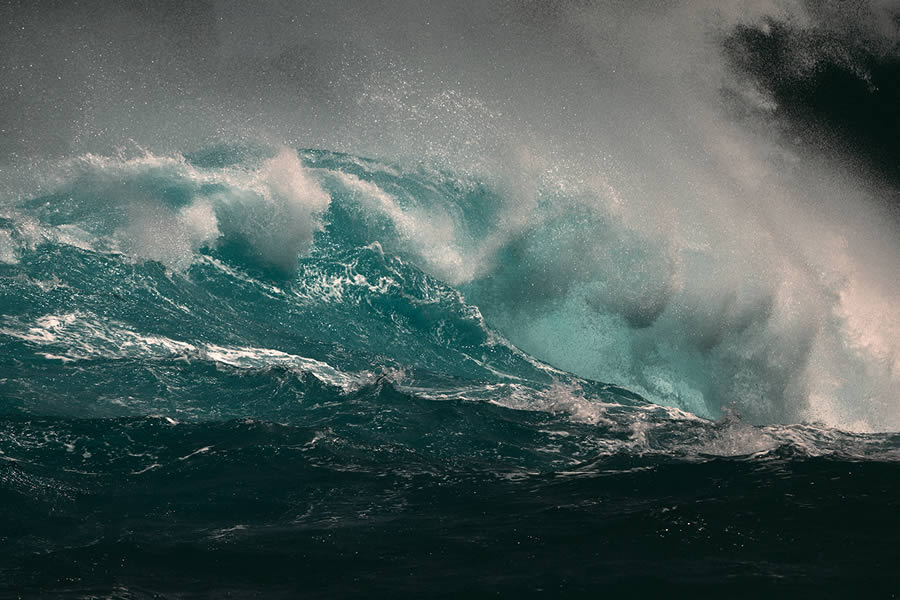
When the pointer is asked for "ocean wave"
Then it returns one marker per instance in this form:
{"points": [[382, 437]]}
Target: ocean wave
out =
{"points": [[366, 267]]}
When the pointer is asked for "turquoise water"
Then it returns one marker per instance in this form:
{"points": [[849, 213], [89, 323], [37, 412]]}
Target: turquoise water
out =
{"points": [[281, 373]]}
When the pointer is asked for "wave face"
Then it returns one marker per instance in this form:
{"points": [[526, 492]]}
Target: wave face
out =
{"points": [[243, 359], [409, 267]]}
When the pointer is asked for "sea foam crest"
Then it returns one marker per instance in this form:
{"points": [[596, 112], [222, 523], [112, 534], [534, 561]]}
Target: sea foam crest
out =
{"points": [[164, 208], [79, 336]]}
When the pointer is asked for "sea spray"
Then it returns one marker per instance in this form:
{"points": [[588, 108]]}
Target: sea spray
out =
{"points": [[445, 299], [587, 286]]}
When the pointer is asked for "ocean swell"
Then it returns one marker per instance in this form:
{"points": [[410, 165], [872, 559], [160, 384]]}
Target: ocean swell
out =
{"points": [[351, 261]]}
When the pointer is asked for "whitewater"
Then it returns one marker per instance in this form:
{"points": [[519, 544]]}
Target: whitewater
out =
{"points": [[385, 318]]}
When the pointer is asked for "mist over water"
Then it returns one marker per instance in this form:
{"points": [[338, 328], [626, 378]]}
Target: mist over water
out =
{"points": [[441, 299], [639, 207]]}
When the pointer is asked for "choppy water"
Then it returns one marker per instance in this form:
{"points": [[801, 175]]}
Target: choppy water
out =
{"points": [[189, 409]]}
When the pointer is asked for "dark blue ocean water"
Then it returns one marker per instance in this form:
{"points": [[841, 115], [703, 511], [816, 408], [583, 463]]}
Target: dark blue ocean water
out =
{"points": [[263, 373]]}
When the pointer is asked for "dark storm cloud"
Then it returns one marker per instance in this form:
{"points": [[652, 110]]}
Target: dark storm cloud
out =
{"points": [[836, 84]]}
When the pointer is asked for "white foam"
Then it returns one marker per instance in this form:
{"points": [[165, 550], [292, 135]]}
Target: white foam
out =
{"points": [[84, 336], [430, 234], [7, 248], [285, 213], [275, 205]]}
